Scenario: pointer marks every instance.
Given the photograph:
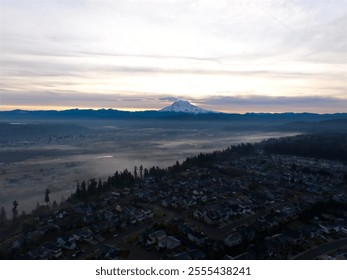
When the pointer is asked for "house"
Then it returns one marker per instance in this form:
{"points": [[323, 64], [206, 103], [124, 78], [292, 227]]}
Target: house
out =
{"points": [[289, 211], [148, 213], [156, 237], [39, 253], [187, 203], [282, 240], [67, 242], [182, 256], [119, 208], [261, 250], [96, 228], [198, 238], [62, 213], [170, 242], [88, 219], [233, 239], [109, 252], [343, 229], [108, 215], [53, 249], [84, 209], [185, 229], [139, 216], [199, 214], [169, 201], [115, 195], [312, 231], [197, 254], [213, 217], [271, 221], [245, 256], [324, 228], [17, 244], [248, 232], [83, 235]]}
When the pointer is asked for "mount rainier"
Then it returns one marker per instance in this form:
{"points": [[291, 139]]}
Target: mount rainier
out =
{"points": [[184, 106]]}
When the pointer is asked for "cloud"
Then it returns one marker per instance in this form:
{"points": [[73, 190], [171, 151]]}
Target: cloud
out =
{"points": [[168, 98], [173, 49], [259, 103], [249, 102], [73, 99]]}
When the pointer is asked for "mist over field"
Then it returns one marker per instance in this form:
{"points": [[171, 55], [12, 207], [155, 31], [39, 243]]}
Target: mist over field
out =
{"points": [[39, 155]]}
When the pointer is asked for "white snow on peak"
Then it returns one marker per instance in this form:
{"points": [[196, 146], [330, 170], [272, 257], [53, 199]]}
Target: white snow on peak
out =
{"points": [[184, 106]]}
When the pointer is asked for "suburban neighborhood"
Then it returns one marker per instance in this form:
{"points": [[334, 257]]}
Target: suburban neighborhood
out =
{"points": [[254, 206]]}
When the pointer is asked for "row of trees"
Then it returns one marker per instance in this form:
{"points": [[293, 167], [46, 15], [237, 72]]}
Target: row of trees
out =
{"points": [[120, 179], [208, 159], [324, 146]]}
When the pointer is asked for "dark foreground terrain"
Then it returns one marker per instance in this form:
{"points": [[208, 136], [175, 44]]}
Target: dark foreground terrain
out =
{"points": [[278, 199]]}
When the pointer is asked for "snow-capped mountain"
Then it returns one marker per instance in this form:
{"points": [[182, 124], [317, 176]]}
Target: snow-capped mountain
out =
{"points": [[184, 106]]}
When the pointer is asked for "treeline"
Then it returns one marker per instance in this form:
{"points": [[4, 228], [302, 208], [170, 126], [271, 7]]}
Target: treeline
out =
{"points": [[120, 179], [208, 159], [324, 146]]}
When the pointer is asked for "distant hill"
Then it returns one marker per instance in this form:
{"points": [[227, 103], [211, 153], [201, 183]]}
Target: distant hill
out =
{"points": [[169, 113], [14, 130], [327, 126]]}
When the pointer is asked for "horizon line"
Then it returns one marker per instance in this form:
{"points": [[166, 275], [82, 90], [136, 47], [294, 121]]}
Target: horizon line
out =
{"points": [[135, 110]]}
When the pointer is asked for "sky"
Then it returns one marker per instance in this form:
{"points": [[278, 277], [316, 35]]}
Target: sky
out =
{"points": [[232, 56]]}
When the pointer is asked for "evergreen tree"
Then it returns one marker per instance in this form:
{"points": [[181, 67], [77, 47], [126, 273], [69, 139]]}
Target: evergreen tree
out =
{"points": [[83, 190], [146, 172], [176, 167], [135, 172], [3, 216], [92, 187], [55, 204], [47, 192], [23, 214], [141, 171], [78, 190], [100, 186], [14, 210]]}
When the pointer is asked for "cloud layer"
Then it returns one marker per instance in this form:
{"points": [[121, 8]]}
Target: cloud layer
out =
{"points": [[58, 53]]}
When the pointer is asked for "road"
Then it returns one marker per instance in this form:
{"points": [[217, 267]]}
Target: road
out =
{"points": [[314, 253]]}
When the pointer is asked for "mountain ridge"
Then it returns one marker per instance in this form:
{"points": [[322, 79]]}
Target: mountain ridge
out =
{"points": [[178, 110]]}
